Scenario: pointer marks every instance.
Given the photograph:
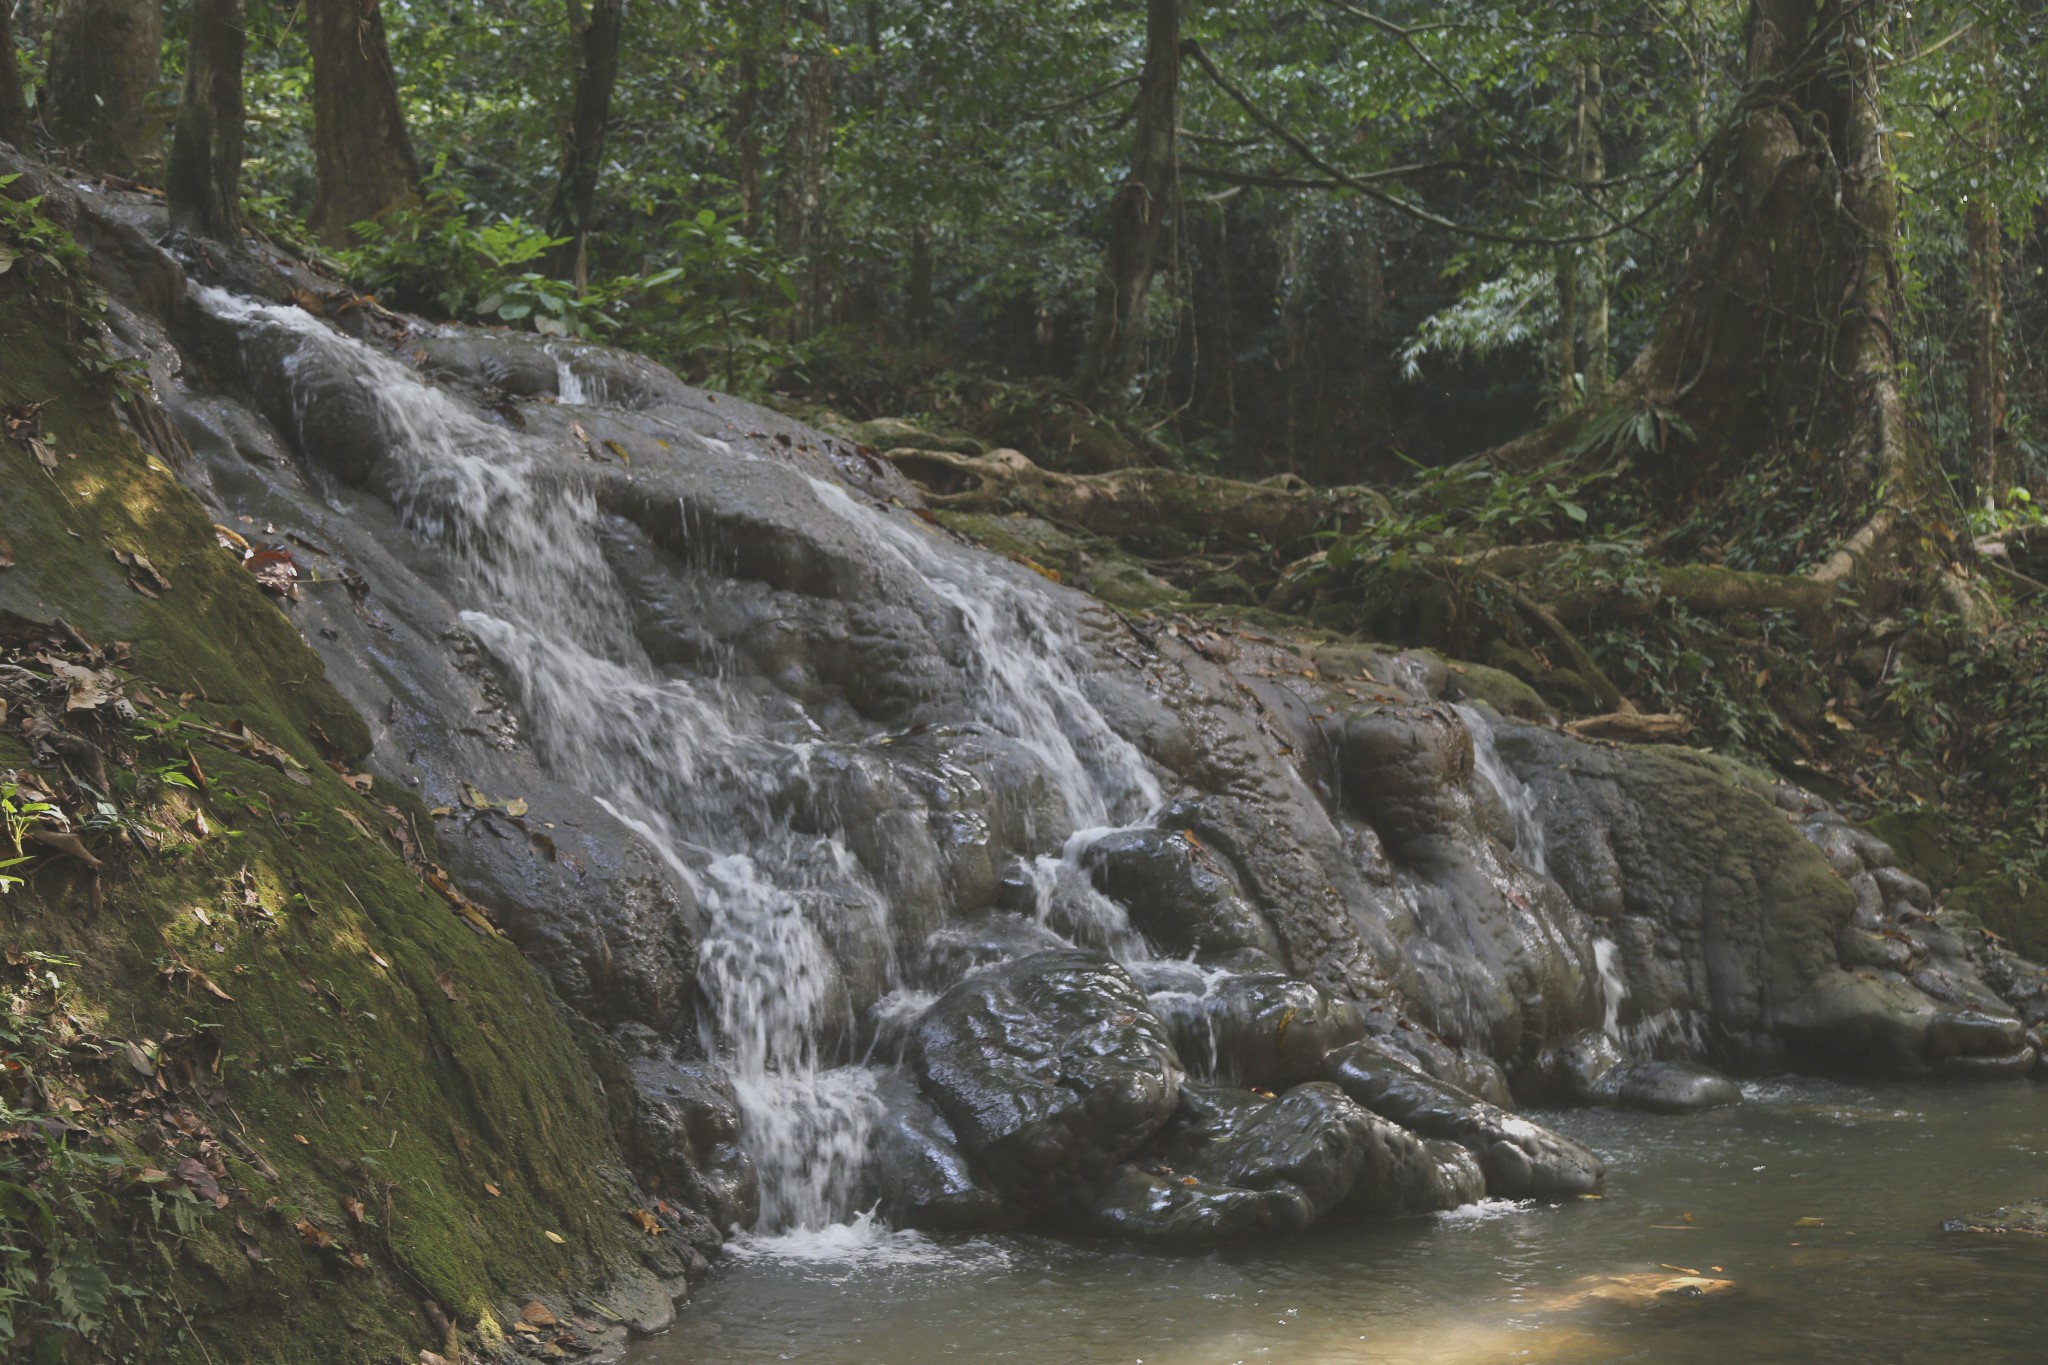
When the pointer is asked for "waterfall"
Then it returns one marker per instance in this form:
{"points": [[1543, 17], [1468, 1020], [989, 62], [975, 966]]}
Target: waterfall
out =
{"points": [[1532, 853], [1514, 793], [688, 762]]}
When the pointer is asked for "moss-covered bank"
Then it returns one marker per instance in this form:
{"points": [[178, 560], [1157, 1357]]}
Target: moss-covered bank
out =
{"points": [[403, 1122]]}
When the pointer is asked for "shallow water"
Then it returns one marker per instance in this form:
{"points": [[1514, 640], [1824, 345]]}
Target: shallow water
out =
{"points": [[1722, 1194]]}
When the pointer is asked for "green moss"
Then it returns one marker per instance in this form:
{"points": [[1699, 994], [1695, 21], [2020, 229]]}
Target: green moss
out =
{"points": [[376, 1048]]}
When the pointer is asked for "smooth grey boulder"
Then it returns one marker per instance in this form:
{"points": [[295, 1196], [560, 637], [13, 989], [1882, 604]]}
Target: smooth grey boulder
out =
{"points": [[1051, 1070], [1235, 1164], [1519, 1158]]}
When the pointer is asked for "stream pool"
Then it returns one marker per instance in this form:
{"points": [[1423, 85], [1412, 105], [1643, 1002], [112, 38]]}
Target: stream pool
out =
{"points": [[1810, 1215]]}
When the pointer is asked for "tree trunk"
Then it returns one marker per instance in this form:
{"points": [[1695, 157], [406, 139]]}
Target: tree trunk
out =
{"points": [[1987, 372], [105, 59], [1987, 364], [596, 36], [743, 130], [806, 167], [204, 181], [1564, 360], [362, 153], [14, 126], [1591, 170], [1116, 339], [920, 293]]}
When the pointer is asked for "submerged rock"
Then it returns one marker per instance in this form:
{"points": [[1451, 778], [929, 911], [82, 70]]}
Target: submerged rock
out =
{"points": [[2027, 1220], [1591, 1069]]}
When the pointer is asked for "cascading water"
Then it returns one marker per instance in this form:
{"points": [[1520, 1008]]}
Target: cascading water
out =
{"points": [[690, 764], [1532, 852]]}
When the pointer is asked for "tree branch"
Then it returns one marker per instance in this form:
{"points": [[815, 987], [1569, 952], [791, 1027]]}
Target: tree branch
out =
{"points": [[1362, 185]]}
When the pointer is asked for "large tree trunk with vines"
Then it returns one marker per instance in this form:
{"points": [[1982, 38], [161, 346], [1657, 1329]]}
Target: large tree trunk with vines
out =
{"points": [[204, 182], [105, 56], [1781, 338], [1116, 339], [362, 153], [596, 34]]}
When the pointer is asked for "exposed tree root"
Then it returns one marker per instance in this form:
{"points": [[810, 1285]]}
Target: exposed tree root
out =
{"points": [[1143, 508]]}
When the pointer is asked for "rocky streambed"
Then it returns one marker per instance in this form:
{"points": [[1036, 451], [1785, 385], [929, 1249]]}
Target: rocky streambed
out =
{"points": [[897, 877]]}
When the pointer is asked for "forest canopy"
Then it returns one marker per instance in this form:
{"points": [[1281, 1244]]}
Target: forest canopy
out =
{"points": [[1694, 349]]}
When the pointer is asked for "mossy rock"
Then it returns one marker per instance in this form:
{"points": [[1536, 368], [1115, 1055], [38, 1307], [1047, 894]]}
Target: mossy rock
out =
{"points": [[1503, 691], [375, 1047], [1970, 876]]}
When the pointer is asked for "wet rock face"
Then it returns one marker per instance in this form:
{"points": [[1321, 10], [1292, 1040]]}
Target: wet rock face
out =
{"points": [[1181, 894], [1258, 1028], [797, 776], [921, 1178]]}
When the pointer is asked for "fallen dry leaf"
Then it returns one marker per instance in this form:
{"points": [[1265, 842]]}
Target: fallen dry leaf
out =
{"points": [[557, 1238], [313, 1235], [538, 1314], [647, 1222], [301, 1139], [276, 571], [68, 844], [516, 806], [355, 1208], [446, 981]]}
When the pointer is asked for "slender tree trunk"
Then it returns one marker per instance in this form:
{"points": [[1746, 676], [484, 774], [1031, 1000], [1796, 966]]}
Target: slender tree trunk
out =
{"points": [[1987, 363], [1591, 170], [596, 36], [920, 292], [806, 170], [743, 130], [362, 153], [1564, 360], [1117, 337], [105, 60], [204, 181], [14, 125]]}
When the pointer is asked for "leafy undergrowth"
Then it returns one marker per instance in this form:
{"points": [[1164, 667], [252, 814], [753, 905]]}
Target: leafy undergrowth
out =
{"points": [[269, 1094]]}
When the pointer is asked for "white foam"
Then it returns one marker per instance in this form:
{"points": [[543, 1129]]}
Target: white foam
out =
{"points": [[864, 1244], [1485, 1211]]}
